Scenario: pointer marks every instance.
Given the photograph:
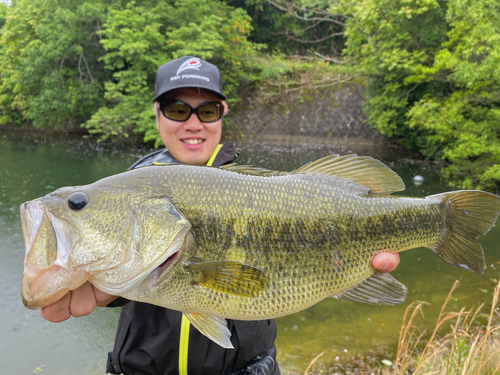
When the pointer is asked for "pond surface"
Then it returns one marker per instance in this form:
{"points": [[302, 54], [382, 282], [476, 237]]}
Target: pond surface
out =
{"points": [[33, 165]]}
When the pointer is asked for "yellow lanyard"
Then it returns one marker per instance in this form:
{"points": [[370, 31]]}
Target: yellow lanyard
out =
{"points": [[185, 325], [183, 346]]}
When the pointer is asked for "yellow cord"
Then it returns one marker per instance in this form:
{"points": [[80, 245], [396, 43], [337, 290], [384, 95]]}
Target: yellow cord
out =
{"points": [[183, 346], [212, 158], [185, 325]]}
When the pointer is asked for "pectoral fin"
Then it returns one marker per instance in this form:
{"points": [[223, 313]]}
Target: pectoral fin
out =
{"points": [[229, 277], [379, 289], [213, 327]]}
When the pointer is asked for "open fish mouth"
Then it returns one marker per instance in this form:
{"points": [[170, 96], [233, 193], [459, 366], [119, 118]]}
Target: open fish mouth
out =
{"points": [[48, 271], [48, 241], [49, 286], [44, 287]]}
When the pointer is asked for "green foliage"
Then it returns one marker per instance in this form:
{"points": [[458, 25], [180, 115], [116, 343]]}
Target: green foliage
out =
{"points": [[51, 75], [144, 35], [433, 66], [387, 39], [279, 76], [292, 27], [466, 123], [434, 79], [3, 11]]}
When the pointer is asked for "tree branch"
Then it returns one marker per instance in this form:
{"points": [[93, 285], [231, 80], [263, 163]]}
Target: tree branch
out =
{"points": [[309, 41], [293, 10], [88, 70], [82, 57], [62, 62], [320, 84], [80, 70]]}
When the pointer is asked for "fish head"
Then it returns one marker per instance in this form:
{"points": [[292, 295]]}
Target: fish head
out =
{"points": [[113, 237]]}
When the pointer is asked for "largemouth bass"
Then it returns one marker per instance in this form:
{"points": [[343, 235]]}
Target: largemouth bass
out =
{"points": [[240, 242]]}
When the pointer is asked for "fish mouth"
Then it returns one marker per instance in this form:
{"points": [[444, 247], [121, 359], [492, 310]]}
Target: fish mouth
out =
{"points": [[41, 288], [49, 286], [46, 277], [55, 256], [149, 274]]}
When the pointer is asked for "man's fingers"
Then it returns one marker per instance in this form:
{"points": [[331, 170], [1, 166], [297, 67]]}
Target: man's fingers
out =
{"points": [[79, 302], [59, 311], [103, 299], [385, 262], [83, 300]]}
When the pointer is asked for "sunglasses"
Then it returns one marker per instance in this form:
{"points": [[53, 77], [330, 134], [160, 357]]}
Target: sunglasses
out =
{"points": [[177, 110]]}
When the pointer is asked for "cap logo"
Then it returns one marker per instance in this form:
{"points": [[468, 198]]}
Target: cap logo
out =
{"points": [[193, 63]]}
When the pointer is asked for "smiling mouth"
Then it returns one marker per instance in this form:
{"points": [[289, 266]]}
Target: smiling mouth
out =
{"points": [[193, 141]]}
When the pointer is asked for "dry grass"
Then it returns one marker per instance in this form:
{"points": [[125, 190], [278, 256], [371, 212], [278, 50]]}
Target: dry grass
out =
{"points": [[462, 343], [467, 348]]}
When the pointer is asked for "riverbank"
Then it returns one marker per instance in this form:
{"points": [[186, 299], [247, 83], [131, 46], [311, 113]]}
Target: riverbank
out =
{"points": [[465, 342]]}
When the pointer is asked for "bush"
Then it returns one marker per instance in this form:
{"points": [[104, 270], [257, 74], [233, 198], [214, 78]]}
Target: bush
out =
{"points": [[434, 79]]}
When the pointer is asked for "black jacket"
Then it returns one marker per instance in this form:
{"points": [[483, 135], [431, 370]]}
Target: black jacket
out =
{"points": [[147, 341]]}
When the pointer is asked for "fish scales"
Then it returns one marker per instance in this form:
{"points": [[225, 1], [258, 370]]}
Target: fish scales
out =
{"points": [[241, 242], [292, 231]]}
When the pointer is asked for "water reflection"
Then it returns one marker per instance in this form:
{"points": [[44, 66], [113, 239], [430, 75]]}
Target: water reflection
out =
{"points": [[34, 165]]}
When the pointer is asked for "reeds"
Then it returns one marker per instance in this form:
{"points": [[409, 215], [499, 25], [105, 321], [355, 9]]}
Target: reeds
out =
{"points": [[468, 348], [466, 342]]}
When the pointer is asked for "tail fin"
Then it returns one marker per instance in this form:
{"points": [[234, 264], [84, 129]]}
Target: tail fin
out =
{"points": [[469, 214]]}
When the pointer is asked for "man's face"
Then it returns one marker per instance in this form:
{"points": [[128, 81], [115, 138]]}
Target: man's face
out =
{"points": [[191, 141]]}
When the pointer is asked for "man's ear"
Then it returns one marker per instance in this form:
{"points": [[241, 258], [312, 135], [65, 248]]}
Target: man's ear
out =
{"points": [[156, 108]]}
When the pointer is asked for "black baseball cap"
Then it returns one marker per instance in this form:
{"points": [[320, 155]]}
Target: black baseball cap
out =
{"points": [[188, 71]]}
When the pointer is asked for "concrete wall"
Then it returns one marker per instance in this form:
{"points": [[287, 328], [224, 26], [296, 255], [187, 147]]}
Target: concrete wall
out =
{"points": [[333, 112]]}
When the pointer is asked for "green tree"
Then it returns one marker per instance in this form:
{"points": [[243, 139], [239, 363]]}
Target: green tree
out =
{"points": [[465, 123], [3, 11], [145, 34], [51, 74], [6, 112], [292, 27], [433, 78]]}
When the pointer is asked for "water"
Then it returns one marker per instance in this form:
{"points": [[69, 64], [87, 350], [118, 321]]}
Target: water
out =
{"points": [[32, 165]]}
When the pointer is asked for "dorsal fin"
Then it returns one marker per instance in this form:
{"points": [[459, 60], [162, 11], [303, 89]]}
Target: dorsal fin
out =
{"points": [[251, 170], [362, 170]]}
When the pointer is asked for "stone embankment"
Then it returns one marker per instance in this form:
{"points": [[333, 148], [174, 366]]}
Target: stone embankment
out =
{"points": [[333, 112]]}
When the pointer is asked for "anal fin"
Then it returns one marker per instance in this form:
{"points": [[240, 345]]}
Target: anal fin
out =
{"points": [[213, 327], [379, 289]]}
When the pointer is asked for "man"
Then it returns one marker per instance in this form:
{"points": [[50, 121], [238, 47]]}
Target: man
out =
{"points": [[189, 105]]}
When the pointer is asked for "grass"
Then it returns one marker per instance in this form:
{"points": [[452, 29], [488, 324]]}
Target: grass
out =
{"points": [[466, 342]]}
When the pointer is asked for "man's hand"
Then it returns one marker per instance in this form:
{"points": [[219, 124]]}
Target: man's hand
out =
{"points": [[385, 262], [79, 302]]}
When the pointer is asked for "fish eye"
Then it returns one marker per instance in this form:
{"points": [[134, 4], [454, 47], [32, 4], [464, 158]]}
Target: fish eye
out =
{"points": [[78, 201]]}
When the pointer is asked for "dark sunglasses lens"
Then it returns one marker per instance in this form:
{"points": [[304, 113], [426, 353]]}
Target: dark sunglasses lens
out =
{"points": [[176, 111], [210, 112]]}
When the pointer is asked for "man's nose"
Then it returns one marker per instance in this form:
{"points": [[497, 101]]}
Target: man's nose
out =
{"points": [[193, 123]]}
